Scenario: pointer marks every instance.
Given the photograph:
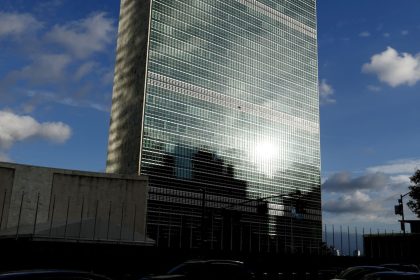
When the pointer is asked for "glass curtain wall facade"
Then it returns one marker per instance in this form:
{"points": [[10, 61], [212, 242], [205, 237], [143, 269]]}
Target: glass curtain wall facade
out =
{"points": [[230, 125]]}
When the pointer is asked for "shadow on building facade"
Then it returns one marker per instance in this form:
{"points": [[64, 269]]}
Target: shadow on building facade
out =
{"points": [[195, 201]]}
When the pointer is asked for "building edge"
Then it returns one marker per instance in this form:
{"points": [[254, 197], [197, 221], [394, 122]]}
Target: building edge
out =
{"points": [[124, 142]]}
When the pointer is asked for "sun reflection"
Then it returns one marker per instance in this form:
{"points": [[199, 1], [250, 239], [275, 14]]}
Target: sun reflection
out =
{"points": [[265, 151], [265, 155]]}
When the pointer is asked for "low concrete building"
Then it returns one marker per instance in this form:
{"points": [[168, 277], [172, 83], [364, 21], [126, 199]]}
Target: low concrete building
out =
{"points": [[73, 205]]}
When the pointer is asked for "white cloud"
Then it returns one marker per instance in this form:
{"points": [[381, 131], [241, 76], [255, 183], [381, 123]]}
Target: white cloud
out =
{"points": [[387, 35], [84, 70], [108, 77], [16, 24], [55, 131], [48, 5], [400, 179], [364, 34], [14, 128], [57, 61], [45, 68], [359, 206], [4, 157], [86, 36], [374, 88], [404, 32], [405, 166], [46, 96], [357, 202], [326, 92], [343, 182], [369, 197], [394, 68]]}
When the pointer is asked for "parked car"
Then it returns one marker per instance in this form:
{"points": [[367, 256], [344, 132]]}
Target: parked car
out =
{"points": [[358, 272], [52, 274], [392, 275], [206, 270]]}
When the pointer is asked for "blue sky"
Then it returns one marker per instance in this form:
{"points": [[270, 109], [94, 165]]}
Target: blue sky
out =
{"points": [[369, 71], [56, 65]]}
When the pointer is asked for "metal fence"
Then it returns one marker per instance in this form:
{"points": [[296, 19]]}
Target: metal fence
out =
{"points": [[181, 220], [347, 240], [199, 218], [171, 225]]}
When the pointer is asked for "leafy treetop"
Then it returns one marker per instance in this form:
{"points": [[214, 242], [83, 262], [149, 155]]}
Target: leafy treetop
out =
{"points": [[414, 203]]}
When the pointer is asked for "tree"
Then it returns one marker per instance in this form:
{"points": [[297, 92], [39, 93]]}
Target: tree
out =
{"points": [[414, 203]]}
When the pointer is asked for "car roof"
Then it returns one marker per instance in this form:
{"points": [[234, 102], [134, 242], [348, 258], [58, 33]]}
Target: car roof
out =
{"points": [[402, 267], [393, 274], [353, 271], [365, 267], [48, 272], [214, 261]]}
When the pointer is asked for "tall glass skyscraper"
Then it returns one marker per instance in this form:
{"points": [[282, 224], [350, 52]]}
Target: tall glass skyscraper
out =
{"points": [[217, 101]]}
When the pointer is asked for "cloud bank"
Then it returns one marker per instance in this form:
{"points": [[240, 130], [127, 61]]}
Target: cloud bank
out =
{"points": [[406, 166], [343, 182], [356, 203], [69, 59], [369, 197]]}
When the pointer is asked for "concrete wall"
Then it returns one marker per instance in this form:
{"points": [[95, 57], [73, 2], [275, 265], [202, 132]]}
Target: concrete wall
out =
{"points": [[6, 186], [72, 204]]}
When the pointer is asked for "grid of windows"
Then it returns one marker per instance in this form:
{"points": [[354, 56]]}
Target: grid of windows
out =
{"points": [[232, 106]]}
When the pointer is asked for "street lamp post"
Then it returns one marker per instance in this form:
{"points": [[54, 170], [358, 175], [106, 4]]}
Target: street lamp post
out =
{"points": [[399, 210], [203, 214]]}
